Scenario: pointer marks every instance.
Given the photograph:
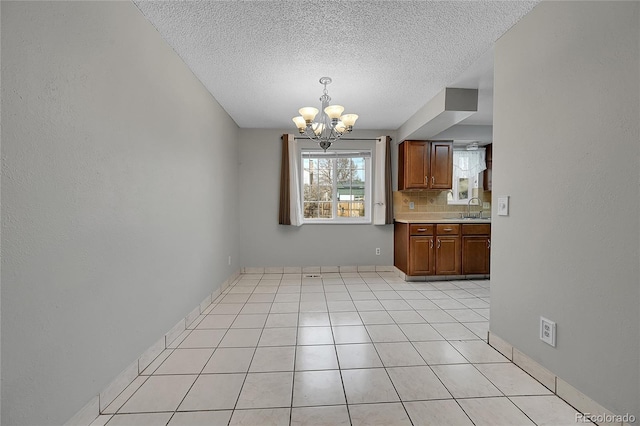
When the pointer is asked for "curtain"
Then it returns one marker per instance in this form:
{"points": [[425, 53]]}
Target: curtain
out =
{"points": [[467, 164], [382, 194], [290, 210], [284, 213]]}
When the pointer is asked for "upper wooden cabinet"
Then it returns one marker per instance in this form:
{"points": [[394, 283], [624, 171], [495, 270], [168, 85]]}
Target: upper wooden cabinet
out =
{"points": [[486, 178], [425, 165], [441, 163], [413, 165]]}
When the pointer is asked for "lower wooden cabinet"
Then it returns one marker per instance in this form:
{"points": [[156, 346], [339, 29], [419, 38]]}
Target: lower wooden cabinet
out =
{"points": [[448, 249], [442, 249], [422, 259], [475, 255], [476, 249], [447, 255]]}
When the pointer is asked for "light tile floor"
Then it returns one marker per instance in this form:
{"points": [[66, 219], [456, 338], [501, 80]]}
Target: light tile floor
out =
{"points": [[342, 349]]}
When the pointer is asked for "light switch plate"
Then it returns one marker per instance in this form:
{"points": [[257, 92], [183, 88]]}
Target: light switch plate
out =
{"points": [[503, 206]]}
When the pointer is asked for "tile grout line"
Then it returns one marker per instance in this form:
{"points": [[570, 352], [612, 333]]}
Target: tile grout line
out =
{"points": [[412, 344], [246, 375], [333, 326], [335, 349], [295, 355]]}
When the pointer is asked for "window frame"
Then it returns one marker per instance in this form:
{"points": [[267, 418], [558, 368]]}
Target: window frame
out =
{"points": [[367, 155], [452, 196]]}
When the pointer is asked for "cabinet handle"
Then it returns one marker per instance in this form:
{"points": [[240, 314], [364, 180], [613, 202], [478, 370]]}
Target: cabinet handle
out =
{"points": [[438, 243], [448, 229], [430, 243], [433, 180], [426, 180], [488, 243], [422, 229]]}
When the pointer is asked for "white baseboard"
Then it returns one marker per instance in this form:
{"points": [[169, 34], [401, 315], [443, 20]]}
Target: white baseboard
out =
{"points": [[87, 414], [501, 346], [557, 385], [100, 402], [316, 269], [354, 269], [541, 374]]}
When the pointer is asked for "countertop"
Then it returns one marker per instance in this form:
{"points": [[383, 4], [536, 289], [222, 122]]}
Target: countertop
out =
{"points": [[417, 219]]}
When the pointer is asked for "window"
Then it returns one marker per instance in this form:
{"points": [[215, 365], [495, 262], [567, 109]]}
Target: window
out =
{"points": [[336, 186], [467, 169]]}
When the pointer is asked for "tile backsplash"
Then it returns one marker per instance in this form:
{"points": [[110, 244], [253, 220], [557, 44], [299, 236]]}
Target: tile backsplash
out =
{"points": [[434, 202]]}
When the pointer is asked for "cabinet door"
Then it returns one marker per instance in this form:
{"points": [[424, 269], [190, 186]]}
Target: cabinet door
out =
{"points": [[486, 176], [414, 165], [421, 258], [476, 254], [441, 165], [448, 255]]}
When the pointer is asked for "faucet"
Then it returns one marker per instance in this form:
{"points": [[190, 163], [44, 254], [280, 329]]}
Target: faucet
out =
{"points": [[469, 206]]}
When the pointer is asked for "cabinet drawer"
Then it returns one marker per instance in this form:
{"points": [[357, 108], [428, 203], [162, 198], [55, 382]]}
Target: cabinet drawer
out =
{"points": [[476, 229], [448, 229], [421, 229]]}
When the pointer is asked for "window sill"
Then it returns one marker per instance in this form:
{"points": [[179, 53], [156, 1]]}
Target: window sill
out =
{"points": [[337, 222]]}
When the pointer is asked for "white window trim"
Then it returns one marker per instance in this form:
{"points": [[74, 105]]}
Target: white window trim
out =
{"points": [[338, 220], [452, 196]]}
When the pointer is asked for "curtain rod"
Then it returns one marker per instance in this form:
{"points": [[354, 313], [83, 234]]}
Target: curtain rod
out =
{"points": [[341, 139]]}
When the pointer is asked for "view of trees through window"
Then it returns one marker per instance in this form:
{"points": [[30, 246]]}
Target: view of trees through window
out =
{"points": [[334, 187]]}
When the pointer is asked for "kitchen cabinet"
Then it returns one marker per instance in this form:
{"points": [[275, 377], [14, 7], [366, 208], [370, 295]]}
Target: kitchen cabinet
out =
{"points": [[421, 250], [476, 249], [448, 249], [486, 176], [425, 165], [414, 248], [431, 248]]}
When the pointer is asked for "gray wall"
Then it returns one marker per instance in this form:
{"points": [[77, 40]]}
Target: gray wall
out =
{"points": [[265, 243], [119, 186], [567, 151], [0, 249]]}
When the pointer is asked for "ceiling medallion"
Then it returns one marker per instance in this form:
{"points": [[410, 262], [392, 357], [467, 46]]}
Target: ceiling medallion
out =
{"points": [[330, 125]]}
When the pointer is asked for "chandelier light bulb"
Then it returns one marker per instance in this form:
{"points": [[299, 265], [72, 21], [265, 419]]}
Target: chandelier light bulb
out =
{"points": [[318, 128], [340, 127], [308, 113], [349, 120], [334, 111], [301, 124]]}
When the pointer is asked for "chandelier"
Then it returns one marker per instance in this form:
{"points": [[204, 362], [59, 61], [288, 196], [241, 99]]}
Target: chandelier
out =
{"points": [[330, 125]]}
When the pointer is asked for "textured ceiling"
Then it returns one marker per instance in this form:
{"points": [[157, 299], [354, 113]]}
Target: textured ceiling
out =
{"points": [[262, 59]]}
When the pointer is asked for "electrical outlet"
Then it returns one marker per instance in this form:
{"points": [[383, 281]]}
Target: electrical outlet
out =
{"points": [[486, 205], [412, 205], [229, 261], [378, 251], [548, 331]]}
